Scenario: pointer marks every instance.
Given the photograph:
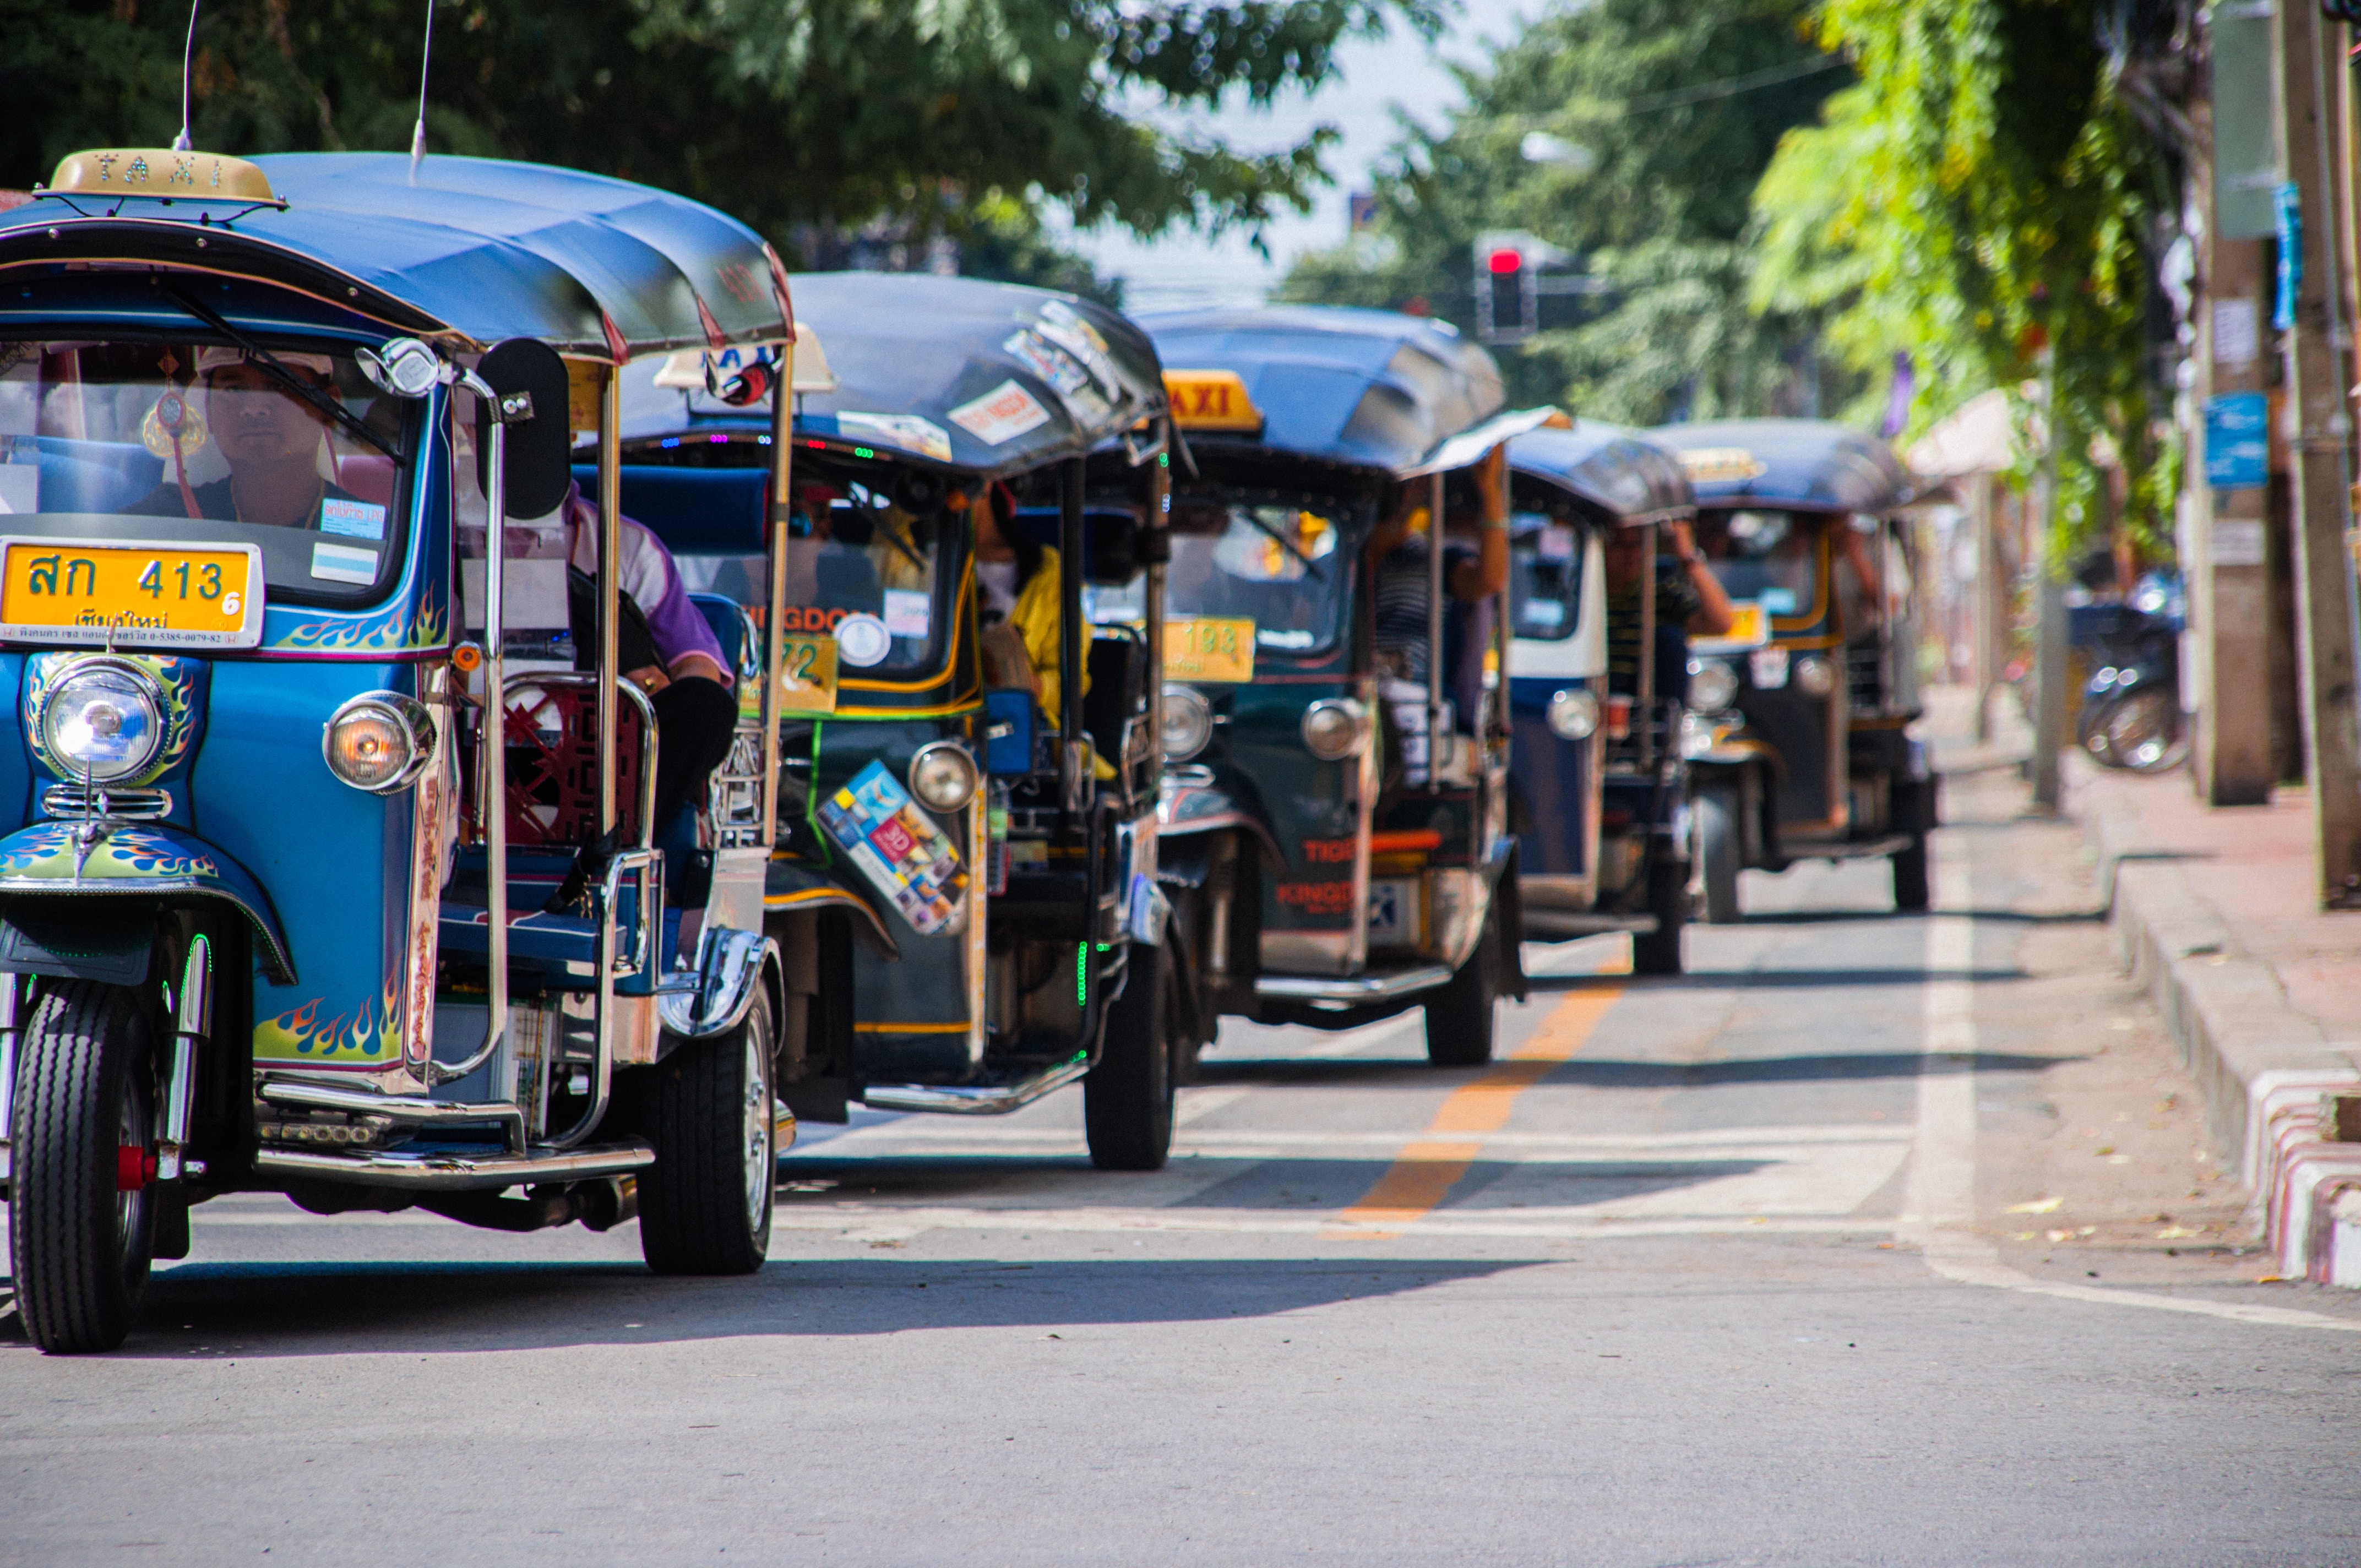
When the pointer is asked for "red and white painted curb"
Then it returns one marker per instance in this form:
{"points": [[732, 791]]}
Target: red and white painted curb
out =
{"points": [[2309, 1186]]}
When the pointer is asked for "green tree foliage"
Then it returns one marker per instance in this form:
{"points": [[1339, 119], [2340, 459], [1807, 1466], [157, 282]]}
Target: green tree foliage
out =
{"points": [[1675, 107], [1983, 199], [801, 116]]}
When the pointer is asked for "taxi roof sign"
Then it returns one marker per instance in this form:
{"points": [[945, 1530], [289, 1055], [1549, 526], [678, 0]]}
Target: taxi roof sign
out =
{"points": [[160, 172], [1707, 464], [1212, 399]]}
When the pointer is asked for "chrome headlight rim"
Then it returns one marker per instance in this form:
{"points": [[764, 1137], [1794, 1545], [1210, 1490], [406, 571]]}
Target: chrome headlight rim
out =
{"points": [[935, 751], [145, 686], [1713, 685], [1573, 713], [1193, 708], [410, 719], [1815, 674], [1334, 750]]}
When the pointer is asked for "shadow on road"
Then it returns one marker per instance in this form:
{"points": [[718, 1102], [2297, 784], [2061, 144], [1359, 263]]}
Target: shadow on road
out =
{"points": [[272, 1310]]}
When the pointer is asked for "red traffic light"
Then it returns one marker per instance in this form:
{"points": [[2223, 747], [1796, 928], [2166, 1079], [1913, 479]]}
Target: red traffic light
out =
{"points": [[1506, 260]]}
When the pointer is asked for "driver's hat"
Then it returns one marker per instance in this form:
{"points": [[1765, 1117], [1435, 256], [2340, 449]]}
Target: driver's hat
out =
{"points": [[216, 357]]}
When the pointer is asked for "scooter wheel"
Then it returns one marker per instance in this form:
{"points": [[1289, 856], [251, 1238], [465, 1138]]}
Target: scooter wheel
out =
{"points": [[705, 1205], [81, 1210]]}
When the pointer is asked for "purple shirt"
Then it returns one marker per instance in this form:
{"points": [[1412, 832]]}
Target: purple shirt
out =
{"points": [[647, 574]]}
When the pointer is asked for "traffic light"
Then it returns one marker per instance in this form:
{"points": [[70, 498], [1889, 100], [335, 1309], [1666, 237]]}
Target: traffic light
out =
{"points": [[1508, 284]]}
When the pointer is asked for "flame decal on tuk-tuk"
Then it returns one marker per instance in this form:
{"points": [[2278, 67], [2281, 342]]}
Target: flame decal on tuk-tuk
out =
{"points": [[395, 630], [374, 1031], [47, 852]]}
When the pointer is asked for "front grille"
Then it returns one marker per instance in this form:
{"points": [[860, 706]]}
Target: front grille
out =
{"points": [[124, 805]]}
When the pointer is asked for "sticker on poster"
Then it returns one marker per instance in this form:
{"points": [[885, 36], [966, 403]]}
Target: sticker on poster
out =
{"points": [[908, 612], [1001, 415], [900, 849], [907, 432]]}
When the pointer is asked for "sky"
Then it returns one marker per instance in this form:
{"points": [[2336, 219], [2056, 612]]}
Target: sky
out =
{"points": [[1374, 77]]}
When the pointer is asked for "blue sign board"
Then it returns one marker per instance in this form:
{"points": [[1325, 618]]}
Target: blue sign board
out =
{"points": [[2237, 441]]}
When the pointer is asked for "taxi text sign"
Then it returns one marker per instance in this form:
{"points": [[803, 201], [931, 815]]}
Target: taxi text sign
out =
{"points": [[130, 593], [1212, 399], [1209, 650]]}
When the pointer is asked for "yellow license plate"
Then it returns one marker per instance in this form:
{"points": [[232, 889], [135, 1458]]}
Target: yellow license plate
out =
{"points": [[1209, 650], [1749, 626], [808, 674], [130, 593]]}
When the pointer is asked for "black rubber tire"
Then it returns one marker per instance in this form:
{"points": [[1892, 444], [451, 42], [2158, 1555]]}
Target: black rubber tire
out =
{"points": [[1659, 951], [1127, 1095], [1718, 848], [1912, 890], [85, 1089], [1461, 1016], [705, 1205]]}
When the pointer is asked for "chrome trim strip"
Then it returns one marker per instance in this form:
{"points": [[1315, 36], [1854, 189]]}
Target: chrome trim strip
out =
{"points": [[407, 1110], [1359, 988], [458, 1173], [959, 1101]]}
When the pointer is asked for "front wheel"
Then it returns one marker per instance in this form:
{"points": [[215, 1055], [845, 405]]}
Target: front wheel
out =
{"points": [[81, 1213], [1460, 1015], [1659, 951], [1127, 1095], [1718, 851], [705, 1205], [1911, 889]]}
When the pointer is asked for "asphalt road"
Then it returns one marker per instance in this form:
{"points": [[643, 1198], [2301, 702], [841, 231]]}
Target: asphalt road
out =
{"points": [[1873, 1240]]}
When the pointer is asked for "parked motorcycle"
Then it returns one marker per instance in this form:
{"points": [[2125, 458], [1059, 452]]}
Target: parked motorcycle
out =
{"points": [[2131, 703]]}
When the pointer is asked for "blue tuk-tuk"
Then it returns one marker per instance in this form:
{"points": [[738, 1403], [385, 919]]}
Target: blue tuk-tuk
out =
{"points": [[1335, 820], [1806, 702], [1599, 787], [332, 863], [940, 422]]}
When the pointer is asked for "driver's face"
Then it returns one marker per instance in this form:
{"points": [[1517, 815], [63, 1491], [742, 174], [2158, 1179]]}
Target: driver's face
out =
{"points": [[255, 421], [1625, 553]]}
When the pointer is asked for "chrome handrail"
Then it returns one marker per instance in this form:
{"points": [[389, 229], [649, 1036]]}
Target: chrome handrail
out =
{"points": [[602, 1062], [493, 799]]}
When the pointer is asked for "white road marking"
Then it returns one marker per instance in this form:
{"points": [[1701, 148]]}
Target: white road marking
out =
{"points": [[1539, 1223], [1939, 1211]]}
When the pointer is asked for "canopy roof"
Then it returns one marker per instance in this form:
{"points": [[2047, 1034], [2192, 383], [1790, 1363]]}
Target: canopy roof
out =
{"points": [[1614, 468], [1801, 464], [986, 377], [477, 250], [1370, 388]]}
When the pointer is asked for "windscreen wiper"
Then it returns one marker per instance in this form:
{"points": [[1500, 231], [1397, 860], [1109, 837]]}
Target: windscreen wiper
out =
{"points": [[289, 382], [1275, 536]]}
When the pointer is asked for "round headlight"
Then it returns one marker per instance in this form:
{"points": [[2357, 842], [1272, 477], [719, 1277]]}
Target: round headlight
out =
{"points": [[1712, 685], [1334, 728], [1573, 713], [1188, 723], [1815, 677], [378, 741], [103, 721], [942, 775]]}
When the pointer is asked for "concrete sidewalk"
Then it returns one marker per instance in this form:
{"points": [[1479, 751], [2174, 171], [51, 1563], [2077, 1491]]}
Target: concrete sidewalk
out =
{"points": [[2214, 914]]}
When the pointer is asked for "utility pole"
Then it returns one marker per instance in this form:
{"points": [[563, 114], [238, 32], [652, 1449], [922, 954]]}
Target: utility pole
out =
{"points": [[2226, 496], [2310, 320]]}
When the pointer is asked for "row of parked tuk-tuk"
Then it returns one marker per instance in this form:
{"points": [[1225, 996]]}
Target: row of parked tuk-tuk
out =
{"points": [[1070, 683]]}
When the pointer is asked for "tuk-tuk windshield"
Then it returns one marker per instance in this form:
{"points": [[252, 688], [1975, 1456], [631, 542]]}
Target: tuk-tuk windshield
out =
{"points": [[1772, 558], [200, 443], [853, 555], [1544, 577], [1281, 566]]}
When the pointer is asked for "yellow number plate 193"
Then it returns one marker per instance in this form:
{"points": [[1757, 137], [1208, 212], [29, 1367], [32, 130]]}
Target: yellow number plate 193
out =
{"points": [[1209, 650], [131, 592]]}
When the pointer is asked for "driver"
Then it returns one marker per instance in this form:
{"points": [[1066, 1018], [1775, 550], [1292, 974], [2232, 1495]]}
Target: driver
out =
{"points": [[272, 441]]}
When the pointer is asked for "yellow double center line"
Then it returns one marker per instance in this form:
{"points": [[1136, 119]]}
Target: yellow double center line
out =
{"points": [[1423, 1174]]}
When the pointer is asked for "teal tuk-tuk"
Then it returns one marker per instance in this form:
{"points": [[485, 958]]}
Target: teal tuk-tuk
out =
{"points": [[1014, 944], [1806, 703], [1601, 790], [1336, 728], [274, 916]]}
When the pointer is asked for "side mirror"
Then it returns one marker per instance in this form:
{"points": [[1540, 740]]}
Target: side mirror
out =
{"points": [[401, 368], [538, 459]]}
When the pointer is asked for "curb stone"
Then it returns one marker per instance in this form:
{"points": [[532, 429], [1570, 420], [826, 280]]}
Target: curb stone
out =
{"points": [[2262, 1066]]}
